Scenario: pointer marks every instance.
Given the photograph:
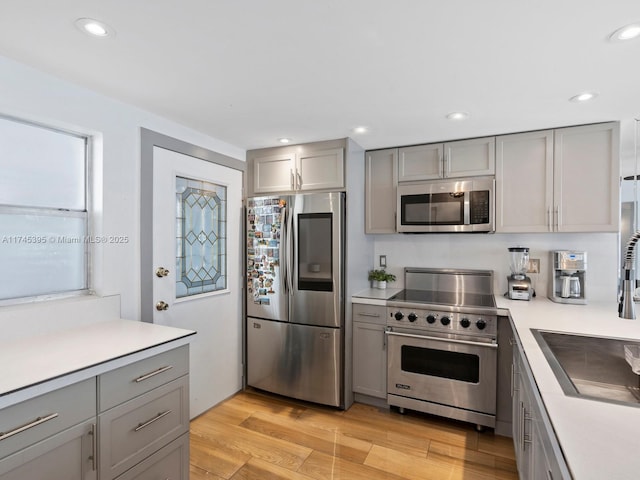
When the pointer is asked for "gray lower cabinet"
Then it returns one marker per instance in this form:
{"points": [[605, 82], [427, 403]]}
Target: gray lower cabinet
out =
{"points": [[51, 435], [153, 413], [369, 350], [538, 453], [67, 456], [170, 462], [128, 423]]}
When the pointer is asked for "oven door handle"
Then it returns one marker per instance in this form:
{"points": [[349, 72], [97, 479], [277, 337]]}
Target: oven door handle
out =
{"points": [[448, 340]]}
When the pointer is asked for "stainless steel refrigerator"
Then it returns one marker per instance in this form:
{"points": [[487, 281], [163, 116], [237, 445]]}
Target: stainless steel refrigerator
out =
{"points": [[295, 296]]}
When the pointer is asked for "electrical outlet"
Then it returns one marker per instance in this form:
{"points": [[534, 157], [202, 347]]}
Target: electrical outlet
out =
{"points": [[534, 265], [383, 261]]}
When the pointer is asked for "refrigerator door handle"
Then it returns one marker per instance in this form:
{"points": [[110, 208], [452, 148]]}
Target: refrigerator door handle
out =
{"points": [[291, 247], [284, 281]]}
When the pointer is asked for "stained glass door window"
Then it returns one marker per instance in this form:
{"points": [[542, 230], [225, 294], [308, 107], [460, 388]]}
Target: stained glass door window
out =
{"points": [[201, 218]]}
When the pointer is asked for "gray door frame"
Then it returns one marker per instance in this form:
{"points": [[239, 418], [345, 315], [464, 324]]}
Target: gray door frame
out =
{"points": [[148, 140]]}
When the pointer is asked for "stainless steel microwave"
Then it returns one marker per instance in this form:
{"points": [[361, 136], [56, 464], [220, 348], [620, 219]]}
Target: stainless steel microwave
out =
{"points": [[448, 205]]}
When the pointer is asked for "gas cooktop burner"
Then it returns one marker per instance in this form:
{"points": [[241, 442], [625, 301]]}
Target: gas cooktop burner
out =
{"points": [[458, 299]]}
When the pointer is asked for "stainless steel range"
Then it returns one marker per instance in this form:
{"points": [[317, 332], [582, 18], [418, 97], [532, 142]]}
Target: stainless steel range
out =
{"points": [[442, 345]]}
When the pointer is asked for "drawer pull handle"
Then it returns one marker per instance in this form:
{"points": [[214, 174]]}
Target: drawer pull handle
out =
{"points": [[153, 374], [149, 422], [27, 426], [376, 315]]}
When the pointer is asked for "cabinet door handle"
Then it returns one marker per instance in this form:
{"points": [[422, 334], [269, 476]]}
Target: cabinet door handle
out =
{"points": [[153, 374], [27, 426], [558, 218], [513, 383], [293, 181], [550, 219], [445, 164], [153, 420], [299, 180], [526, 437], [94, 442]]}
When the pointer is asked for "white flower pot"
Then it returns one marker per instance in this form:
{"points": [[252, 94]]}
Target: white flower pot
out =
{"points": [[382, 284]]}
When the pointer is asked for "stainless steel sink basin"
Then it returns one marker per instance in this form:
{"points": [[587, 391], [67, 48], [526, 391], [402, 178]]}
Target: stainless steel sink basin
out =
{"points": [[591, 367]]}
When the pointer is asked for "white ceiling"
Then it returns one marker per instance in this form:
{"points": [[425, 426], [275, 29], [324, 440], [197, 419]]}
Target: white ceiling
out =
{"points": [[251, 71]]}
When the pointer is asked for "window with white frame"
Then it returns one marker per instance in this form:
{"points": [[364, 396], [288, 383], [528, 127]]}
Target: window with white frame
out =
{"points": [[43, 211]]}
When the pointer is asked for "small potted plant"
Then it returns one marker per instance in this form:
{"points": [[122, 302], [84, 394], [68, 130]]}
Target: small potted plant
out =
{"points": [[380, 278]]}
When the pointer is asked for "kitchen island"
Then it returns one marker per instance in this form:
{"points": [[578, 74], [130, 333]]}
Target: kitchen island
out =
{"points": [[598, 439], [108, 399]]}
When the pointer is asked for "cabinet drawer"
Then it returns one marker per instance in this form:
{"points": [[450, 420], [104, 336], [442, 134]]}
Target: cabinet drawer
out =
{"points": [[170, 462], [128, 382], [369, 313], [38, 418], [135, 429]]}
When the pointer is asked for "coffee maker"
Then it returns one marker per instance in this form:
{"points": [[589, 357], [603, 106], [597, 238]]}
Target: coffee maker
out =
{"points": [[569, 270], [518, 284]]}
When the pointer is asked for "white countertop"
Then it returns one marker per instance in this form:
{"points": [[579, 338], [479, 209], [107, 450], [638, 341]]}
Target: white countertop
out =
{"points": [[375, 296], [599, 440], [38, 364]]}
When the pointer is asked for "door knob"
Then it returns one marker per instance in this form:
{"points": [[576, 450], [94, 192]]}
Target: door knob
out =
{"points": [[161, 306], [161, 272]]}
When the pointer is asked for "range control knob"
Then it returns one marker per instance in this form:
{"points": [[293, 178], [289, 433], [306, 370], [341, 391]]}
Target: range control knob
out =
{"points": [[465, 322], [399, 316], [431, 318], [445, 321], [481, 324], [412, 317]]}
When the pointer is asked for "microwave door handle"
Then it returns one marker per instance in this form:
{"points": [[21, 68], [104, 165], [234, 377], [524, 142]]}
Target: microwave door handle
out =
{"points": [[467, 208]]}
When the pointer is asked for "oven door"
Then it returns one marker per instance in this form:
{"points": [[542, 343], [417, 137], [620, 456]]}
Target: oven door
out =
{"points": [[446, 371]]}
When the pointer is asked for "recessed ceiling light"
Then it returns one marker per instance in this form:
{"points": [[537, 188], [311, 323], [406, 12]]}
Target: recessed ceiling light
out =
{"points": [[361, 129], [583, 97], [94, 27], [627, 32], [458, 116], [284, 140]]}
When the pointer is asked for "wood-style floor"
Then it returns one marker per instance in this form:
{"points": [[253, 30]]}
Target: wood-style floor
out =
{"points": [[257, 436]]}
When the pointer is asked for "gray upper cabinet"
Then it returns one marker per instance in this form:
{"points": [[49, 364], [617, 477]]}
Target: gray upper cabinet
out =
{"points": [[586, 169], [320, 169], [421, 162], [563, 180], [381, 182], [463, 158], [524, 182], [274, 173], [297, 168]]}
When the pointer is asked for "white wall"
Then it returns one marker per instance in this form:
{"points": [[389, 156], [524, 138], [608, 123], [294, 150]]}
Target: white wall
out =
{"points": [[28, 94], [489, 251]]}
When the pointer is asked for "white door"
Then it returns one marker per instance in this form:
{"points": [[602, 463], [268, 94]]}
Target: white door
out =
{"points": [[197, 211]]}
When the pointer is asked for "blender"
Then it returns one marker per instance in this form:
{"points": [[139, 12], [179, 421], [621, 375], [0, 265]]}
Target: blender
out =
{"points": [[518, 284]]}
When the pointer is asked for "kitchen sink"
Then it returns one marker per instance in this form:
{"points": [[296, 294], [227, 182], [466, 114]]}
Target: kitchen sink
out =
{"points": [[591, 367]]}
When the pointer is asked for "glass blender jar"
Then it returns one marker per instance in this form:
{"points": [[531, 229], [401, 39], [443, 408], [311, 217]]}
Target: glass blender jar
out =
{"points": [[518, 284]]}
